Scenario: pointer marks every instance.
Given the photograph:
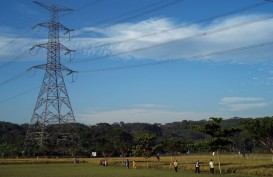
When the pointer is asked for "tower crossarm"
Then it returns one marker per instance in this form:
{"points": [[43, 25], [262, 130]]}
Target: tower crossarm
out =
{"points": [[52, 7], [44, 45], [52, 67], [57, 26], [68, 70], [67, 50], [43, 66], [62, 47]]}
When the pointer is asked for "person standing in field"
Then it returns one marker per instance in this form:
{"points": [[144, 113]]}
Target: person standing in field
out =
{"points": [[175, 164], [105, 162], [127, 163], [211, 167], [197, 167], [134, 164]]}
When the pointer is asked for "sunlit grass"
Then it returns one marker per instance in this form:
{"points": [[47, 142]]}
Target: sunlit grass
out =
{"points": [[88, 170], [255, 164]]}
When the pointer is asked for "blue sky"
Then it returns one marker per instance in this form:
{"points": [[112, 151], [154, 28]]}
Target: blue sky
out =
{"points": [[208, 58]]}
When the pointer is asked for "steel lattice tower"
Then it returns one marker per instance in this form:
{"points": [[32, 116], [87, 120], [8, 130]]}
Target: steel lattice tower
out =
{"points": [[52, 123]]}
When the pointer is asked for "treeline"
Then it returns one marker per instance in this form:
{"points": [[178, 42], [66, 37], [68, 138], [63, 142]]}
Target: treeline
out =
{"points": [[143, 139]]}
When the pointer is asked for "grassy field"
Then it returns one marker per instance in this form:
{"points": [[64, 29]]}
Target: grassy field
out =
{"points": [[232, 165], [89, 170]]}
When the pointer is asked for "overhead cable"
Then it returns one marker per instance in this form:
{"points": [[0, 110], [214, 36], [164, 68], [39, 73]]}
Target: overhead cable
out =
{"points": [[183, 58], [202, 34], [157, 63], [184, 25], [18, 95], [13, 78], [158, 6]]}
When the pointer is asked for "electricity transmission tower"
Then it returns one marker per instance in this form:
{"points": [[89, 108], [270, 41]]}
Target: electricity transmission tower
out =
{"points": [[53, 123]]}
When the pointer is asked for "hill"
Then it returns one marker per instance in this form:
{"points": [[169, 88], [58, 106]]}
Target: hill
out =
{"points": [[120, 138]]}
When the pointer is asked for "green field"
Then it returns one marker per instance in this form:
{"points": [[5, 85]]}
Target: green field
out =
{"points": [[88, 170], [232, 165]]}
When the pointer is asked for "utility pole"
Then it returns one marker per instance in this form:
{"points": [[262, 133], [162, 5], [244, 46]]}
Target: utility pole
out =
{"points": [[52, 124]]}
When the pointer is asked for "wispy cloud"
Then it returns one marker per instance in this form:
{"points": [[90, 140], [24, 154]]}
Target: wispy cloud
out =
{"points": [[186, 41], [174, 43], [240, 99], [243, 103], [243, 107], [18, 47], [139, 115], [149, 105]]}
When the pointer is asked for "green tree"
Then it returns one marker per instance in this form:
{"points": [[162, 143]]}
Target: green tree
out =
{"points": [[219, 137], [146, 146], [110, 140], [122, 140], [100, 138], [262, 131], [173, 146]]}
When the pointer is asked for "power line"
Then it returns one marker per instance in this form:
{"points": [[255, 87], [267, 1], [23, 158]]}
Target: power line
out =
{"points": [[128, 13], [150, 8], [180, 59], [14, 39], [159, 63], [27, 31], [147, 35], [19, 95], [13, 78], [202, 34], [122, 53], [13, 60], [184, 25], [122, 15], [82, 7], [171, 3]]}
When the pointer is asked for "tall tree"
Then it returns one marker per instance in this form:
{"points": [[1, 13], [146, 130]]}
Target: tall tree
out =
{"points": [[219, 137], [261, 130], [173, 146], [121, 140], [146, 146]]}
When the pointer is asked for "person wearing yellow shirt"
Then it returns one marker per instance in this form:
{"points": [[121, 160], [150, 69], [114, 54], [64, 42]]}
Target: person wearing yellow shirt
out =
{"points": [[134, 164], [175, 164], [211, 167]]}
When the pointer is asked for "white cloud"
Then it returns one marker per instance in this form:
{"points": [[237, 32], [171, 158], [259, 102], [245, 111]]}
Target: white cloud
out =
{"points": [[242, 107], [179, 43], [240, 99], [155, 113], [18, 48], [149, 105], [243, 103], [139, 115], [176, 42]]}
